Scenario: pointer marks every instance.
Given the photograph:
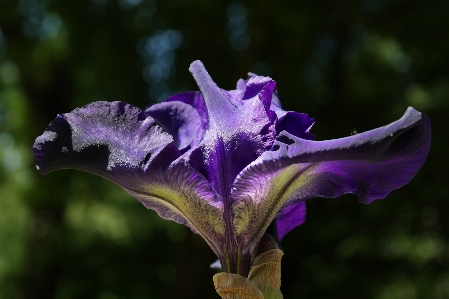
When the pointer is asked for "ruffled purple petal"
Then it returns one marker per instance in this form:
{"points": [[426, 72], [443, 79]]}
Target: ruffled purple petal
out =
{"points": [[256, 83], [101, 137], [119, 142], [369, 165], [274, 103], [263, 87], [180, 120], [196, 100], [290, 217]]}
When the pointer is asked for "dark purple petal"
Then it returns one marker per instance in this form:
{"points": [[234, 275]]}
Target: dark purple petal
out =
{"points": [[119, 142], [369, 165], [297, 124], [290, 217], [180, 120]]}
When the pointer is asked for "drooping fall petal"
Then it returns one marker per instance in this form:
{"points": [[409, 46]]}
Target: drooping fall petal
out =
{"points": [[119, 142], [369, 165]]}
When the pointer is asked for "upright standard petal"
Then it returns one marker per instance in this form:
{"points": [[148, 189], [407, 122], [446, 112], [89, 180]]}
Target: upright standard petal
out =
{"points": [[181, 121], [233, 138], [178, 119], [241, 127], [369, 165], [119, 142], [219, 107]]}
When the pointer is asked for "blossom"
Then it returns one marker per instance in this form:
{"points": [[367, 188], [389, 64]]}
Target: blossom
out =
{"points": [[229, 163]]}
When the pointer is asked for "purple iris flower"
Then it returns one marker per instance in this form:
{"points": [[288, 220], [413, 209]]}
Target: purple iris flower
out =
{"points": [[229, 163]]}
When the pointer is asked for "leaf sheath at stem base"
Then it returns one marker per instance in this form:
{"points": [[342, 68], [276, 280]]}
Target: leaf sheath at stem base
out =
{"points": [[263, 282]]}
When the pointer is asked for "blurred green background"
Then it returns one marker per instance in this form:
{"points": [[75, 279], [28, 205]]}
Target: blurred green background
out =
{"points": [[352, 65]]}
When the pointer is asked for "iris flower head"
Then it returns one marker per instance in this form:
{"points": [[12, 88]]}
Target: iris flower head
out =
{"points": [[229, 163]]}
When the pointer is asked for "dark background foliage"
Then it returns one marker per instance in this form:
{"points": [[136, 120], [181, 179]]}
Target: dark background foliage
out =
{"points": [[353, 65]]}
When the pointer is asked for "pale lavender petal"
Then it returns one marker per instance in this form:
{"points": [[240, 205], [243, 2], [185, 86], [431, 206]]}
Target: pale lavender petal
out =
{"points": [[234, 137], [219, 107], [276, 106], [119, 142], [369, 165], [290, 217], [216, 265], [241, 84]]}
